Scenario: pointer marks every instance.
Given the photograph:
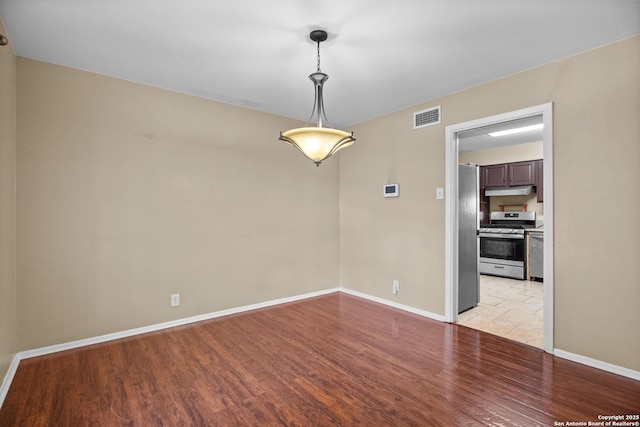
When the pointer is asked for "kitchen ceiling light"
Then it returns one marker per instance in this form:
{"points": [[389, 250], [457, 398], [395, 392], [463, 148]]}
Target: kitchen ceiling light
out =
{"points": [[320, 141], [516, 130]]}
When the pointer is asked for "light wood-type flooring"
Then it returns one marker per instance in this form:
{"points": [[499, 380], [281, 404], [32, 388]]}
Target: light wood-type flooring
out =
{"points": [[326, 361]]}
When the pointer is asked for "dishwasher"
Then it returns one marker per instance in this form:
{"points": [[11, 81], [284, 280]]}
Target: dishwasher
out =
{"points": [[536, 255]]}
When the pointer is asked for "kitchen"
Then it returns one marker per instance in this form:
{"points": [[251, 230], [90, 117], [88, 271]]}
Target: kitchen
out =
{"points": [[501, 279]]}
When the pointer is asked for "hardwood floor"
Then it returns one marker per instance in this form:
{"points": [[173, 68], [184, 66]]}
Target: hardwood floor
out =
{"points": [[330, 360]]}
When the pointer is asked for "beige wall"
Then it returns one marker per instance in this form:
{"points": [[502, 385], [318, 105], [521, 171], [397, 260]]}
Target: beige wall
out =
{"points": [[128, 193], [596, 98], [512, 153], [8, 315]]}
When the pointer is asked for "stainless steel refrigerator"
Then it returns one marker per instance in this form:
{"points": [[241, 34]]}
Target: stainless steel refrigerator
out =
{"points": [[468, 242]]}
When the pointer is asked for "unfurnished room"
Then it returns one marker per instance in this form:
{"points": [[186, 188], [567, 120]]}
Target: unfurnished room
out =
{"points": [[414, 213]]}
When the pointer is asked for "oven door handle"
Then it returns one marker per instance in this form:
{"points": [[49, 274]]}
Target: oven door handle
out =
{"points": [[502, 236]]}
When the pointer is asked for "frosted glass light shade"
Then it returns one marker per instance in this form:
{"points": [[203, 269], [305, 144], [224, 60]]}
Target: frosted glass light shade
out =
{"points": [[317, 143]]}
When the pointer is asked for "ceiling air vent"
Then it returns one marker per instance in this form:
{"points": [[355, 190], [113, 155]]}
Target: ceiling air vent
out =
{"points": [[426, 118]]}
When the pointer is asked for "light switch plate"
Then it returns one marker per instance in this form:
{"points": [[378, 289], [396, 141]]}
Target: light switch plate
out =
{"points": [[439, 193]]}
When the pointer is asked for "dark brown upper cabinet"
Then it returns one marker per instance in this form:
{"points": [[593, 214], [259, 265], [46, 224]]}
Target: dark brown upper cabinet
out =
{"points": [[510, 174], [522, 173], [494, 175], [540, 181]]}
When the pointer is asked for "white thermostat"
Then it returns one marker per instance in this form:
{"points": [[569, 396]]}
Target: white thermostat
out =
{"points": [[391, 190]]}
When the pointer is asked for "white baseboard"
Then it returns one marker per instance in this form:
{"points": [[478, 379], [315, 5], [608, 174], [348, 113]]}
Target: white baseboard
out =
{"points": [[619, 370], [393, 304], [160, 326], [594, 363], [8, 378]]}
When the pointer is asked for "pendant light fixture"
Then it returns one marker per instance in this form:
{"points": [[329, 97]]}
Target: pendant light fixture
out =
{"points": [[319, 141]]}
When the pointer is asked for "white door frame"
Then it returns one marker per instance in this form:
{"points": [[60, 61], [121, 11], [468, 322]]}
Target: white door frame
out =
{"points": [[451, 210]]}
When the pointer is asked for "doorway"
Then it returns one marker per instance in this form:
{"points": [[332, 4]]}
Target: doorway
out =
{"points": [[451, 215]]}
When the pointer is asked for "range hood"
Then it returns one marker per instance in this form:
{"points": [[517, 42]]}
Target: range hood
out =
{"points": [[523, 190]]}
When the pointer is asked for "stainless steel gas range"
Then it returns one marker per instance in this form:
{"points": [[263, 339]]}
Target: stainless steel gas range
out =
{"points": [[503, 249]]}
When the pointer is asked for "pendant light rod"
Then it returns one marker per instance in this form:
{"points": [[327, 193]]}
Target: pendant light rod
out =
{"points": [[318, 78]]}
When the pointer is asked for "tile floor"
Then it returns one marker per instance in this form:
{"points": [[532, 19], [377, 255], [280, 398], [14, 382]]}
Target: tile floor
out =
{"points": [[508, 308]]}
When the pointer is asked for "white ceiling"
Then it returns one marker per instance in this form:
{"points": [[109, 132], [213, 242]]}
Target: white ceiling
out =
{"points": [[479, 139], [381, 55]]}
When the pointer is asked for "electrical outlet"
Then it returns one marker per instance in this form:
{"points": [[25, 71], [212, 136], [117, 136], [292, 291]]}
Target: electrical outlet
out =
{"points": [[396, 287], [175, 300]]}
